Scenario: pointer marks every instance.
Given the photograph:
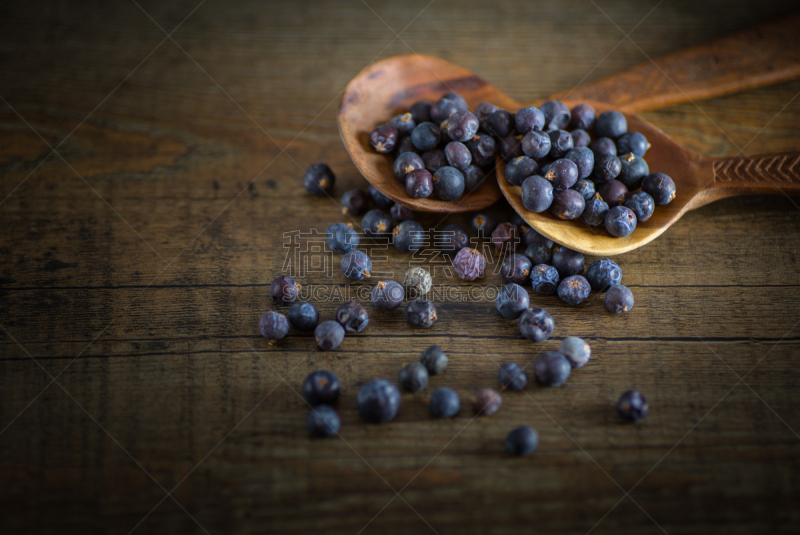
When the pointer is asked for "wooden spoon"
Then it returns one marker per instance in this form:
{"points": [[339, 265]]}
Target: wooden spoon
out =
{"points": [[766, 54]]}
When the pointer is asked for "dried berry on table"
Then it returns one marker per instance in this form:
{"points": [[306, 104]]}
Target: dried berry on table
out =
{"points": [[444, 403], [356, 265], [512, 376], [319, 179], [417, 282], [387, 295], [574, 290], [619, 299], [352, 316], [342, 238], [413, 377], [469, 264], [273, 326], [512, 300], [329, 335], [486, 401], [434, 359], [284, 290], [633, 406], [522, 441], [303, 316], [378, 401], [321, 387], [551, 368], [421, 312], [536, 324], [323, 421]]}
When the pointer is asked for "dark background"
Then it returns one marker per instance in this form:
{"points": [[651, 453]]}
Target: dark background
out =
{"points": [[135, 262]]}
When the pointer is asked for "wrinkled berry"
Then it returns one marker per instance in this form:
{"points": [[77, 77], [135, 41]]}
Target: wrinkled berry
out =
{"points": [[319, 179], [419, 184], [551, 369], [539, 253], [510, 147], [585, 188], [462, 125], [594, 214], [606, 167], [400, 213], [583, 158], [469, 264], [603, 274], [537, 194], [536, 324], [483, 225], [505, 236], [303, 316], [580, 138], [425, 136], [574, 290], [452, 238], [273, 326], [632, 142], [352, 316], [611, 124], [329, 335], [421, 312], [556, 114], [323, 421], [355, 202], [619, 299], [321, 387], [633, 169], [544, 279], [536, 144], [387, 295], [576, 350], [522, 441], [562, 173], [613, 192], [660, 187], [341, 238], [434, 160], [601, 146], [560, 143], [483, 149], [448, 183], [384, 138], [413, 377], [434, 360], [405, 163], [458, 155], [641, 204], [379, 199], [376, 222], [444, 403], [284, 290], [512, 300], [512, 376], [356, 265], [567, 204], [633, 406], [421, 111], [409, 236], [516, 268], [528, 119], [620, 221], [417, 282], [404, 124], [519, 169], [486, 401], [378, 401], [583, 117], [499, 124]]}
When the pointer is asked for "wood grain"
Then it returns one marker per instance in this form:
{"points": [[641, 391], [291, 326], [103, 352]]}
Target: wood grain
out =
{"points": [[144, 289]]}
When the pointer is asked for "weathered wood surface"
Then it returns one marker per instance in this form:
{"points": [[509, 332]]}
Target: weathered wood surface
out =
{"points": [[136, 273]]}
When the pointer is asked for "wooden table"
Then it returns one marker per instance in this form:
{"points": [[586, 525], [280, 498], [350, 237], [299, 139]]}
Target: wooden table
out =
{"points": [[138, 397]]}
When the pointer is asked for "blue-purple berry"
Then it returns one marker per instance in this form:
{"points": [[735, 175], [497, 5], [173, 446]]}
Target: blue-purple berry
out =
{"points": [[378, 401], [387, 295], [567, 204], [379, 199], [329, 335], [376, 223], [352, 316], [512, 300], [536, 144], [273, 326], [567, 261], [284, 290], [405, 163], [544, 279], [303, 316], [619, 299], [556, 114], [537, 194], [434, 359], [321, 387], [323, 421], [536, 324], [594, 213], [516, 268], [448, 183], [576, 350], [512, 376], [574, 290], [562, 173], [660, 187], [583, 158], [413, 377], [583, 116], [355, 202], [560, 143], [421, 312], [633, 169], [486, 401], [444, 403], [539, 253], [425, 136], [611, 124], [620, 221], [603, 274], [551, 368], [634, 142], [522, 441], [319, 179], [409, 236], [519, 169], [341, 238], [633, 406], [528, 119], [356, 265], [642, 205]]}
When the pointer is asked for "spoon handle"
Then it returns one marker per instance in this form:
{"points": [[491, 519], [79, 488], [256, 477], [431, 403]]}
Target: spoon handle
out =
{"points": [[744, 175], [758, 56]]}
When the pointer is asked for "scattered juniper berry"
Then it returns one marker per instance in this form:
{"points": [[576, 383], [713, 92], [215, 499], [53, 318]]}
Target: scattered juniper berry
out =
{"points": [[486, 401], [400, 213], [319, 179], [512, 376], [409, 236], [379, 199], [273, 326], [585, 188], [583, 158], [576, 350], [528, 119], [594, 214], [413, 377], [355, 202], [544, 279], [603, 274], [574, 290], [323, 421], [522, 441], [536, 324], [387, 295], [613, 192], [384, 138], [633, 406], [352, 316], [606, 167], [505, 236], [536, 144], [619, 299], [458, 155], [531, 236], [356, 265], [462, 125], [303, 316], [567, 261], [444, 403], [376, 222], [634, 142], [378, 401], [469, 264], [434, 360], [419, 184], [567, 204], [321, 387], [284, 290], [421, 312], [633, 169], [516, 268], [329, 335], [583, 116], [341, 238], [560, 143], [551, 369], [425, 136], [452, 238], [563, 173], [483, 225], [539, 253], [512, 300], [417, 281]]}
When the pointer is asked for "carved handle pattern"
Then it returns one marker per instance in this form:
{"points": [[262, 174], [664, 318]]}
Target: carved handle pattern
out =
{"points": [[771, 169]]}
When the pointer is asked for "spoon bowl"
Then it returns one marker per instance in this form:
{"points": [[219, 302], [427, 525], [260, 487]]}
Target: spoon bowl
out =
{"points": [[391, 86]]}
